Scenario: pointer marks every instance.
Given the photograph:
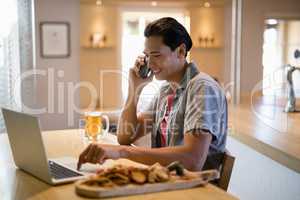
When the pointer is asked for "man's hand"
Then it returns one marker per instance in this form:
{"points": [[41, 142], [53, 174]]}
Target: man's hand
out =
{"points": [[130, 127], [135, 80], [98, 153]]}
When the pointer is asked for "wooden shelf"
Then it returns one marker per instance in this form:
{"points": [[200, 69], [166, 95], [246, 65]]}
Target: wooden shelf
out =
{"points": [[209, 47], [99, 47]]}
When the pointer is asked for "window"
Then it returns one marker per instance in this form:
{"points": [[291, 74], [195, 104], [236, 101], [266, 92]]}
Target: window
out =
{"points": [[9, 56]]}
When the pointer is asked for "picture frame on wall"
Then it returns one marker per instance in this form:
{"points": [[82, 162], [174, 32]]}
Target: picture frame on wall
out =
{"points": [[55, 39]]}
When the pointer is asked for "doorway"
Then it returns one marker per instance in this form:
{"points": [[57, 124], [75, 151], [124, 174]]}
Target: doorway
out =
{"points": [[281, 40]]}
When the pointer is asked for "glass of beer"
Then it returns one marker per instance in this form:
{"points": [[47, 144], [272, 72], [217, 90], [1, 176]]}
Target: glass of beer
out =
{"points": [[93, 126]]}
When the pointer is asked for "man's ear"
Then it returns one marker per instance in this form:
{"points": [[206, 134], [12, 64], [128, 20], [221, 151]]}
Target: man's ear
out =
{"points": [[181, 50]]}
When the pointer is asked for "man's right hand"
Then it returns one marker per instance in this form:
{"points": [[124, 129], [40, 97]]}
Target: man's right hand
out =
{"points": [[98, 153], [135, 81], [129, 126]]}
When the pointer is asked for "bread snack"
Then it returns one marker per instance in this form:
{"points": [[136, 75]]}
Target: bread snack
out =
{"points": [[124, 177], [120, 175]]}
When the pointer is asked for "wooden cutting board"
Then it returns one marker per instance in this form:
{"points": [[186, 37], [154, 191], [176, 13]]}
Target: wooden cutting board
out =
{"points": [[132, 189]]}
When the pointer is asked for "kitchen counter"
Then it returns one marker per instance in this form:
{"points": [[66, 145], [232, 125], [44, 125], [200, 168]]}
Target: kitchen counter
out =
{"points": [[262, 124]]}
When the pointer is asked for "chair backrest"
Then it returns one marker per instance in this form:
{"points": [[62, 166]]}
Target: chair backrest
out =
{"points": [[226, 170]]}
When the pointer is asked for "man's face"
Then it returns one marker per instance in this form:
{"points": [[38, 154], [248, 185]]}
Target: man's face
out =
{"points": [[161, 59]]}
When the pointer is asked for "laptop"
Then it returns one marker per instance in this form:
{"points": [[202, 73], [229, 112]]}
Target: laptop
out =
{"points": [[28, 150]]}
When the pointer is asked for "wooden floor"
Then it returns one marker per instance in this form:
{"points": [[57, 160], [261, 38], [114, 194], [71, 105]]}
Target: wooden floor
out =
{"points": [[262, 123]]}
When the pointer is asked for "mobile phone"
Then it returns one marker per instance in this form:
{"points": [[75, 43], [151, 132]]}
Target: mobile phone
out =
{"points": [[297, 54], [145, 71]]}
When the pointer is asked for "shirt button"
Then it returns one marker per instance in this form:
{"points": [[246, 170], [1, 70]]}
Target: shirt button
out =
{"points": [[214, 128]]}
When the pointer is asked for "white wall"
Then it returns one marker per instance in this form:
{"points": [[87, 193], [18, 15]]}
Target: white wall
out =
{"points": [[66, 11], [253, 15]]}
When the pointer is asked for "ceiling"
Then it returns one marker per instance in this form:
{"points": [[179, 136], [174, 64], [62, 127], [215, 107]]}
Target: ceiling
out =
{"points": [[160, 3]]}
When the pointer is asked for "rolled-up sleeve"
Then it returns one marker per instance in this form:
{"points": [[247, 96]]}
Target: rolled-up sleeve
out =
{"points": [[204, 107]]}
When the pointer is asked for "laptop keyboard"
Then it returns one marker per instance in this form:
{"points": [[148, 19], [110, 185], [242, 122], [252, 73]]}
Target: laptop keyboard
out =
{"points": [[60, 172]]}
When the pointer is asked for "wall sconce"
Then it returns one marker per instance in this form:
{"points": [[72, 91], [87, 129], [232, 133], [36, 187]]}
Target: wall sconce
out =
{"points": [[207, 5], [98, 39], [98, 3]]}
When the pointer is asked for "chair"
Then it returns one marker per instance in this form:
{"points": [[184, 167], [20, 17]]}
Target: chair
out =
{"points": [[225, 171], [222, 162]]}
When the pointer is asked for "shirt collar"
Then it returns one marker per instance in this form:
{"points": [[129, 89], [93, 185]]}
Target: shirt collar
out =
{"points": [[190, 72]]}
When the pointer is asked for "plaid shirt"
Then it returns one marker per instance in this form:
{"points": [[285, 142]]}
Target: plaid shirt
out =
{"points": [[199, 104]]}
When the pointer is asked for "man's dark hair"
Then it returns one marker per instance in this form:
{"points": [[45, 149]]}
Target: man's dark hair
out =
{"points": [[172, 32]]}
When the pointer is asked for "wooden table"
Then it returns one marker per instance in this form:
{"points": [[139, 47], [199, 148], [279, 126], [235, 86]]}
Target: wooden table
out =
{"points": [[16, 184]]}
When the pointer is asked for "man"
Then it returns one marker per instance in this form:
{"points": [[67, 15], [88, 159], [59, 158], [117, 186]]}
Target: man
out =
{"points": [[187, 119]]}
